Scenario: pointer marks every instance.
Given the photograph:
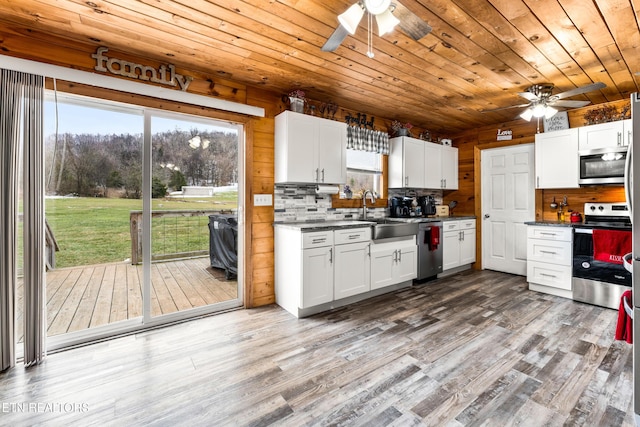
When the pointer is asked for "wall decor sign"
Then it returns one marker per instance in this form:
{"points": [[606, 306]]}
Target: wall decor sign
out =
{"points": [[504, 135], [165, 75], [559, 121]]}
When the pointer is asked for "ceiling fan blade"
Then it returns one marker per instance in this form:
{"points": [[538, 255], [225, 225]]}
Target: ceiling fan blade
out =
{"points": [[528, 95], [410, 23], [335, 39], [580, 90], [569, 103], [505, 108]]}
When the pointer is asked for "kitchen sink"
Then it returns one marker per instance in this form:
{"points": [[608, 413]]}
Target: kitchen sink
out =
{"points": [[386, 228]]}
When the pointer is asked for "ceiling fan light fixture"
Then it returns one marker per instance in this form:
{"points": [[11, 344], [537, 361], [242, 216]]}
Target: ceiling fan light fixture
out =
{"points": [[376, 7], [351, 17], [549, 112], [527, 114], [386, 22], [539, 110]]}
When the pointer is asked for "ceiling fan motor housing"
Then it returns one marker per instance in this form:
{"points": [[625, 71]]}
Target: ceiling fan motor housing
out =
{"points": [[542, 90]]}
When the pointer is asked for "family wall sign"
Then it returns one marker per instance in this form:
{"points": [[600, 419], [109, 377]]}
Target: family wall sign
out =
{"points": [[165, 74]]}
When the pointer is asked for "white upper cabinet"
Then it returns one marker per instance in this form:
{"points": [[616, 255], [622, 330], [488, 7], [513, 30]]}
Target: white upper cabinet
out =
{"points": [[556, 155], [406, 163], [414, 163], [449, 167], [310, 149], [605, 135]]}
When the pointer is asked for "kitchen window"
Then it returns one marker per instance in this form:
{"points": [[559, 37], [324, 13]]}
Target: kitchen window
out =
{"points": [[364, 171]]}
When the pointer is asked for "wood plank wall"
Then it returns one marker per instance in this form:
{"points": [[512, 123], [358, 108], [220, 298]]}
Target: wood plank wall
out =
{"points": [[470, 144]]}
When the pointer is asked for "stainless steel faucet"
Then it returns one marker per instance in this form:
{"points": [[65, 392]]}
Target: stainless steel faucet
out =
{"points": [[364, 202]]}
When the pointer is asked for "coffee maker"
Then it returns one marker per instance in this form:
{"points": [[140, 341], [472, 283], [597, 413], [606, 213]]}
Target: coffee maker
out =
{"points": [[400, 207], [427, 205]]}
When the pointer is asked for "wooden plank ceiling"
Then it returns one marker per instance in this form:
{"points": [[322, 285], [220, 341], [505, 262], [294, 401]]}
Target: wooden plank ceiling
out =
{"points": [[480, 54]]}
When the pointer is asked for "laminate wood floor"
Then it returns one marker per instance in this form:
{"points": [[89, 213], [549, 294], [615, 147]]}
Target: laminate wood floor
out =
{"points": [[474, 349]]}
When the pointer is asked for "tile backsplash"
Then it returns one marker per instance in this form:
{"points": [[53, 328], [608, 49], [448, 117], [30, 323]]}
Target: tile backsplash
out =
{"points": [[294, 203]]}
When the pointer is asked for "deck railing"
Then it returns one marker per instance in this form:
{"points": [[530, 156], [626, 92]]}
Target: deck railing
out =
{"points": [[174, 233]]}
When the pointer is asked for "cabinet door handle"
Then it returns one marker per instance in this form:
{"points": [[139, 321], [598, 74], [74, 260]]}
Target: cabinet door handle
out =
{"points": [[395, 256], [445, 183], [549, 252], [399, 256], [406, 180], [319, 240], [317, 175], [619, 139], [548, 275], [538, 181], [322, 174], [369, 252], [547, 234], [330, 255]]}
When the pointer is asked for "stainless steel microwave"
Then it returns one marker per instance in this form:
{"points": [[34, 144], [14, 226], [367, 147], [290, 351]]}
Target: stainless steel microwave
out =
{"points": [[602, 166]]}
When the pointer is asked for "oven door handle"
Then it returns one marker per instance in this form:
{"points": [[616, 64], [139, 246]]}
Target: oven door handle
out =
{"points": [[584, 230]]}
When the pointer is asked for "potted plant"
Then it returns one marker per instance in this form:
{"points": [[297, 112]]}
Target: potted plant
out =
{"points": [[401, 129], [297, 100], [347, 192]]}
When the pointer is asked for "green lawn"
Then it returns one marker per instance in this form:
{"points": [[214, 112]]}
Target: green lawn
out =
{"points": [[96, 230]]}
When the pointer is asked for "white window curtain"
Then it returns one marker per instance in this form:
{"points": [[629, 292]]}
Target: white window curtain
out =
{"points": [[364, 139], [21, 119]]}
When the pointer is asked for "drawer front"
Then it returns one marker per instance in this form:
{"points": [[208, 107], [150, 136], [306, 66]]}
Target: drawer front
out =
{"points": [[351, 235], [451, 225], [466, 224], [550, 233], [317, 239], [557, 276], [549, 251]]}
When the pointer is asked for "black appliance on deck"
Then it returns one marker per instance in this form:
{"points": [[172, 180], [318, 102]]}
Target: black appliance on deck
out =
{"points": [[223, 243]]}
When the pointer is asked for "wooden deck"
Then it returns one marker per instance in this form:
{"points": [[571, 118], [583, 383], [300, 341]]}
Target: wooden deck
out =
{"points": [[89, 296]]}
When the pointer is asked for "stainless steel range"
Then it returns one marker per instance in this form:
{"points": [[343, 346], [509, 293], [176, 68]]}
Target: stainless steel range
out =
{"points": [[599, 244]]}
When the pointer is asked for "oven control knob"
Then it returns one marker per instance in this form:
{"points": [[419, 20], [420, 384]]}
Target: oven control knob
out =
{"points": [[593, 208], [600, 208]]}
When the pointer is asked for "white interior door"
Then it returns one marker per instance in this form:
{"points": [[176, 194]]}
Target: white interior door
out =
{"points": [[508, 201]]}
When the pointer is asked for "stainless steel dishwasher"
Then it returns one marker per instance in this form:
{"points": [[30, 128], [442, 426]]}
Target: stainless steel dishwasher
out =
{"points": [[429, 250]]}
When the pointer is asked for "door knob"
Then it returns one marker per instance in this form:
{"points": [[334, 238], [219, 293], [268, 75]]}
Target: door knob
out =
{"points": [[486, 216]]}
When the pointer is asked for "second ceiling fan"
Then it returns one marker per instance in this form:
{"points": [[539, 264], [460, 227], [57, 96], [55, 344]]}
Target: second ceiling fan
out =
{"points": [[387, 15]]}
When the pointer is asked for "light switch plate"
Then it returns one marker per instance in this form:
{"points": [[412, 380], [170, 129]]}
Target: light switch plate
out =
{"points": [[262, 200]]}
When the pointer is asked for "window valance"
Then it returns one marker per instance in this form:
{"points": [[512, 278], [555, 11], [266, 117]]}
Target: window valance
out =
{"points": [[364, 139]]}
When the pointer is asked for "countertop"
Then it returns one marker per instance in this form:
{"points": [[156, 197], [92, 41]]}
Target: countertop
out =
{"points": [[352, 223], [323, 225], [579, 225]]}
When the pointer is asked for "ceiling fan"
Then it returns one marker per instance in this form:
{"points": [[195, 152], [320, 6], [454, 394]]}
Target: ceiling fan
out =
{"points": [[387, 15], [542, 103]]}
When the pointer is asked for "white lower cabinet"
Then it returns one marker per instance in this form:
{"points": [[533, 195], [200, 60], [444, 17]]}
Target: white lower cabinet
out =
{"points": [[393, 262], [549, 253], [458, 243], [352, 264], [319, 270]]}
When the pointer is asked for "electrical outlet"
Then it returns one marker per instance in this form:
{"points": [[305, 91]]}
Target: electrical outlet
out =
{"points": [[262, 200]]}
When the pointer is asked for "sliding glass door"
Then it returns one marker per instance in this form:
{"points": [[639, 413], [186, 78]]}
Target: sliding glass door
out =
{"points": [[131, 194], [194, 214]]}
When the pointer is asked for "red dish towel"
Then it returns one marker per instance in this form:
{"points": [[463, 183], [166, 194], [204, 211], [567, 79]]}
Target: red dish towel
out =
{"points": [[434, 238], [624, 327], [611, 245]]}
